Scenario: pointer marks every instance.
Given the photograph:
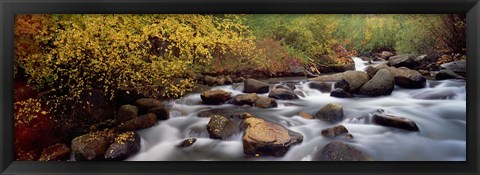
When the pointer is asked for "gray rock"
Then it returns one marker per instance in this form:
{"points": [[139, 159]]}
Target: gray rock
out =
{"points": [[334, 131], [338, 151], [255, 86], [321, 86], [332, 113], [245, 99], [283, 94], [125, 145], [380, 118], [340, 93], [381, 84], [220, 127], [265, 102]]}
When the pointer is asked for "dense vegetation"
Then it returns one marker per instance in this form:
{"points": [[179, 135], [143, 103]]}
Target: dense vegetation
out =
{"points": [[60, 59]]}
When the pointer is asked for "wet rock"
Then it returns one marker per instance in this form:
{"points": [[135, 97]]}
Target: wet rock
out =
{"points": [[349, 136], [245, 99], [404, 60], [446, 74], [186, 143], [291, 86], [283, 87], [125, 145], [125, 113], [266, 138], [57, 152], [338, 151], [340, 93], [255, 86], [355, 79], [381, 84], [404, 77], [332, 113], [265, 102], [209, 80], [305, 115], [459, 67], [380, 118], [334, 131], [342, 84], [321, 86], [161, 113], [283, 94], [220, 127], [215, 97], [141, 122], [91, 146], [147, 103]]}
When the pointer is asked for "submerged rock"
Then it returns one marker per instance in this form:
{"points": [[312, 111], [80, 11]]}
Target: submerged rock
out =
{"points": [[339, 151], [381, 84], [380, 118], [265, 102], [266, 138], [186, 143], [215, 97], [125, 145], [57, 152], [91, 146], [220, 127], [332, 113], [125, 113], [283, 94], [334, 131], [255, 86]]}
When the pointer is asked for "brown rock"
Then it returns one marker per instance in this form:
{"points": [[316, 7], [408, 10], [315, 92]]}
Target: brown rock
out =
{"points": [[332, 113], [125, 145], [147, 103], [141, 122], [338, 151], [265, 102], [380, 118], [215, 97], [91, 146], [283, 94], [245, 99], [160, 112], [57, 152], [334, 131], [220, 127], [125, 113], [255, 86]]}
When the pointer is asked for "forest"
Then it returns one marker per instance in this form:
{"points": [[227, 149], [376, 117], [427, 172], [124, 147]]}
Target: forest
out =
{"points": [[77, 75]]}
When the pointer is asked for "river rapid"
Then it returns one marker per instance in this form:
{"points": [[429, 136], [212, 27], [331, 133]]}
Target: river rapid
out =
{"points": [[439, 111]]}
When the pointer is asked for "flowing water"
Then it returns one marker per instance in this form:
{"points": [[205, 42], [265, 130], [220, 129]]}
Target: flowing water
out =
{"points": [[439, 111]]}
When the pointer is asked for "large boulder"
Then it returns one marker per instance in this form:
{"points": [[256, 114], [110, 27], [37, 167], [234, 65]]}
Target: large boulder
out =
{"points": [[381, 118], [381, 84], [125, 145], [220, 127], [355, 79], [265, 102], [125, 113], [459, 67], [334, 131], [91, 146], [339, 151], [404, 60], [340, 93], [245, 99], [141, 122], [404, 77], [57, 152], [332, 113], [282, 94], [266, 138], [215, 97], [255, 86]]}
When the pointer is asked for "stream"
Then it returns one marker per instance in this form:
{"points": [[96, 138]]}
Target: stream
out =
{"points": [[439, 111]]}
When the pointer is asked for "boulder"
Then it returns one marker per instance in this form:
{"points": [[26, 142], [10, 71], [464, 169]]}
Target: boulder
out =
{"points": [[215, 97], [283, 94], [380, 118], [141, 122], [125, 113], [339, 151], [355, 79], [459, 67], [323, 87], [209, 80], [381, 84], [334, 131], [245, 99], [220, 127], [446, 74], [266, 138], [265, 102], [161, 113], [57, 152], [125, 145], [147, 103], [340, 93], [404, 60], [404, 77], [186, 143], [386, 54], [332, 113], [255, 86], [91, 146], [305, 115]]}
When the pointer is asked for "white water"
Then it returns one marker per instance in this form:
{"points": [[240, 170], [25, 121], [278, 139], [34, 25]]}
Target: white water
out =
{"points": [[438, 109]]}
